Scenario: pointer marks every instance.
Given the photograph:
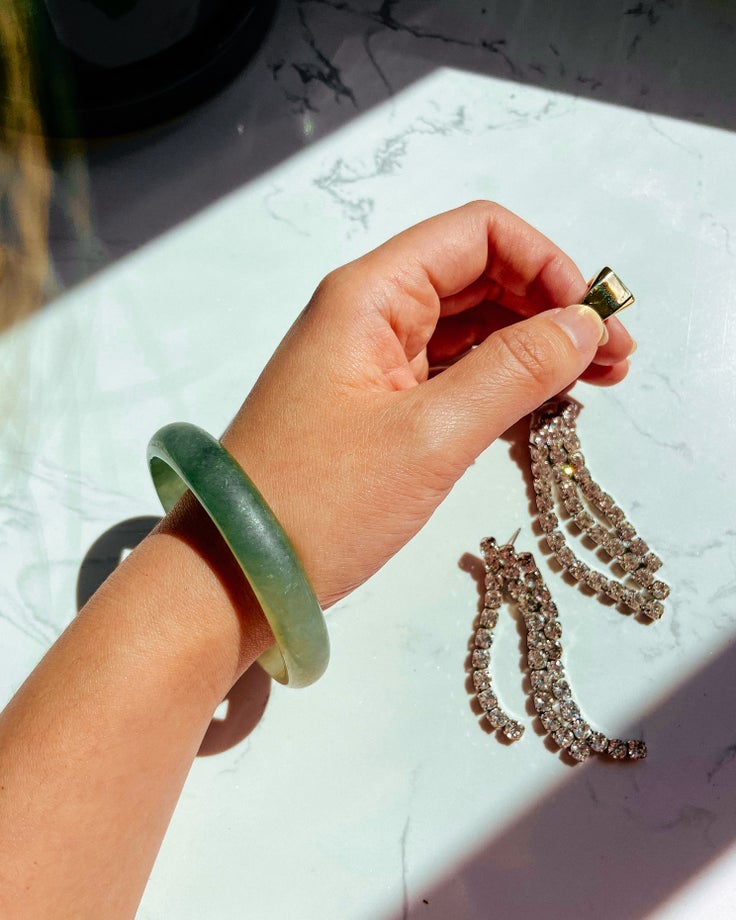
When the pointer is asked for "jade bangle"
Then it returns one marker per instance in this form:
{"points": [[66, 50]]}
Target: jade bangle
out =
{"points": [[181, 457]]}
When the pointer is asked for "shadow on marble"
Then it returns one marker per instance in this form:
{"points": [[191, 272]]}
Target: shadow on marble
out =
{"points": [[327, 61], [246, 701], [245, 704], [108, 551], [617, 839]]}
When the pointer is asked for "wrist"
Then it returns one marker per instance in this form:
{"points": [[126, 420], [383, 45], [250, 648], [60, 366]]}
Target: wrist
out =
{"points": [[207, 591]]}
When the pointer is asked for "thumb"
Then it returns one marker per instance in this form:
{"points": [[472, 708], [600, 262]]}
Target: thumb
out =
{"points": [[510, 374]]}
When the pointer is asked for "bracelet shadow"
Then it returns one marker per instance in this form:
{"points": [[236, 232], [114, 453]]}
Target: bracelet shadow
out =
{"points": [[246, 700]]}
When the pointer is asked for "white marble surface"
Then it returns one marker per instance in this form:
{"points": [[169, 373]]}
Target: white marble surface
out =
{"points": [[377, 793]]}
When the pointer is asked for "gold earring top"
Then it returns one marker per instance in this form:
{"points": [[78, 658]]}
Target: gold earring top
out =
{"points": [[608, 294]]}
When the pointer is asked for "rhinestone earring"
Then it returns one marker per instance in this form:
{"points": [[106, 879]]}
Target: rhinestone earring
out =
{"points": [[558, 466], [559, 472], [518, 577]]}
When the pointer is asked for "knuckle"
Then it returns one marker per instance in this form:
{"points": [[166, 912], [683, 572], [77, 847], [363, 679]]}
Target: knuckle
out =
{"points": [[524, 354]]}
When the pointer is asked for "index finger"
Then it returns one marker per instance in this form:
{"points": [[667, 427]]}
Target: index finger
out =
{"points": [[523, 270]]}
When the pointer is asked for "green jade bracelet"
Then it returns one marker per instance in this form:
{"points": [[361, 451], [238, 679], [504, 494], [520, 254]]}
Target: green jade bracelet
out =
{"points": [[182, 456]]}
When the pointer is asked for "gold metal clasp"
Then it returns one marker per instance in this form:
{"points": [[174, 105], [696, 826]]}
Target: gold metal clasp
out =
{"points": [[608, 294]]}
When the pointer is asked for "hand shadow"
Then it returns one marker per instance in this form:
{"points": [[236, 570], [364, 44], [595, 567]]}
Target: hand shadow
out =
{"points": [[246, 700]]}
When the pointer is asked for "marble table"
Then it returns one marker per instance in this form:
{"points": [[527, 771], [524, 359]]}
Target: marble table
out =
{"points": [[378, 793]]}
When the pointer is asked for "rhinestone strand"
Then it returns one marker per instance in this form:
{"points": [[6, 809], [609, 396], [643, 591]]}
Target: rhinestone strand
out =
{"points": [[517, 575], [495, 576], [558, 465]]}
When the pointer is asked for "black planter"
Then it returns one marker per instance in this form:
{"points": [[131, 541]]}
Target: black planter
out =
{"points": [[115, 66]]}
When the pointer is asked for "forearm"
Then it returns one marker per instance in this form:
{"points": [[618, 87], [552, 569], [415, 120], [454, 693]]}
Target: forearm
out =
{"points": [[95, 747]]}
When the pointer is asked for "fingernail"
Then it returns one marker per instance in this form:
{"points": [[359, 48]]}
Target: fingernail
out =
{"points": [[634, 346], [582, 325]]}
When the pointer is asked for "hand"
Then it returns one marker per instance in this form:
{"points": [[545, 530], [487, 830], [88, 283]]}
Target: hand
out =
{"points": [[350, 442]]}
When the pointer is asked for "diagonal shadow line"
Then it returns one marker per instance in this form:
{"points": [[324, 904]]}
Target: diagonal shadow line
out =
{"points": [[617, 839], [668, 57]]}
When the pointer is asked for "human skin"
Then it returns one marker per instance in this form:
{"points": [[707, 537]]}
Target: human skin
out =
{"points": [[353, 445]]}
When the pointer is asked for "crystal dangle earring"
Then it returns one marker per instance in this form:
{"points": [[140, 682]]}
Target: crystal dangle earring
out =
{"points": [[517, 576], [559, 471], [558, 466]]}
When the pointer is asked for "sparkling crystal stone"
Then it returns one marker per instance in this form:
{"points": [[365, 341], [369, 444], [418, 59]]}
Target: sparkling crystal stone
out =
{"points": [[629, 562], [571, 442], [543, 701], [569, 411], [555, 669], [643, 577], [513, 730], [579, 750], [617, 749], [660, 590], [548, 521], [545, 502], [483, 638], [573, 504], [580, 728], [497, 717], [552, 649], [638, 546], [563, 737], [540, 470], [540, 680], [506, 554], [541, 486], [615, 590], [552, 629], [549, 720], [481, 680], [582, 473], [491, 581], [604, 502], [596, 581], [631, 599], [538, 450], [652, 562], [514, 588], [566, 488], [597, 533], [493, 598], [549, 609], [569, 710], [615, 515], [556, 540], [625, 531], [537, 659], [488, 617], [652, 609], [481, 658], [561, 689], [557, 454], [590, 489], [598, 742], [578, 570], [613, 546], [526, 563], [543, 597], [584, 520], [536, 640], [487, 699], [565, 556], [488, 546], [535, 622], [637, 750]]}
